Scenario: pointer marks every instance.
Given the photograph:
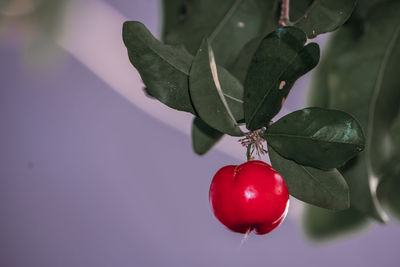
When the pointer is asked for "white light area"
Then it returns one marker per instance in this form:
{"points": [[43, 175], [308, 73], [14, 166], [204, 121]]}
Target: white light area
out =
{"points": [[283, 216], [373, 184], [250, 192]]}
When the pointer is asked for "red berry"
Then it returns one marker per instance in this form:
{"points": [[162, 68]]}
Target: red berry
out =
{"points": [[250, 196]]}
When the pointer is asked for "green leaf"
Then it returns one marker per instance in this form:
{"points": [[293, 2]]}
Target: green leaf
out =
{"points": [[320, 16], [388, 190], [315, 19], [204, 137], [325, 189], [395, 135], [216, 94], [363, 81], [389, 187], [363, 7], [241, 65], [173, 14], [228, 24], [316, 137], [321, 224], [279, 61], [164, 69], [323, 78]]}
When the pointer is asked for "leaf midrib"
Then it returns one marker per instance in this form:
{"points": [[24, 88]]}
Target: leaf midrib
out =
{"points": [[181, 70], [214, 71], [233, 98], [310, 175], [306, 13], [309, 138], [270, 89], [319, 183], [155, 51]]}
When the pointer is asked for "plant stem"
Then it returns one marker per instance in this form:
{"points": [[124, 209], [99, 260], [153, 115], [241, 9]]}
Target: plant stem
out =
{"points": [[283, 21]]}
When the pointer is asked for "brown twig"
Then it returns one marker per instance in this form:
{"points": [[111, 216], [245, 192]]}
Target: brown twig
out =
{"points": [[284, 19]]}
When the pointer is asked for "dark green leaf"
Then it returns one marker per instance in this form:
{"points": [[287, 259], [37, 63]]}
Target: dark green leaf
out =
{"points": [[364, 82], [323, 78], [320, 16], [388, 191], [298, 8], [395, 135], [316, 137], [216, 94], [389, 188], [321, 224], [164, 69], [363, 7], [326, 189], [229, 24], [315, 18], [204, 137], [240, 67], [279, 61], [173, 14]]}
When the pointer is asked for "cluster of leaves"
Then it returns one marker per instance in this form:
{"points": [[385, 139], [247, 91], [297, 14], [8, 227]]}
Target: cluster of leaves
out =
{"points": [[358, 74], [232, 65]]}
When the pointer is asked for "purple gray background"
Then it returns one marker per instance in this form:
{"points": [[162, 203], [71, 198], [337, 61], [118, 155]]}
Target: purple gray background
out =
{"points": [[88, 179]]}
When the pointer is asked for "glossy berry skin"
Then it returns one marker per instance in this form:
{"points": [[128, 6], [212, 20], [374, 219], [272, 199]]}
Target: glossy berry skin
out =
{"points": [[250, 196]]}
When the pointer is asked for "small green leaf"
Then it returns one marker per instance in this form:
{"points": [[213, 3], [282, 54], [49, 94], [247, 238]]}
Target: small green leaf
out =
{"points": [[279, 61], [321, 224], [320, 16], [164, 69], [316, 137], [325, 189], [204, 137], [228, 24], [215, 93]]}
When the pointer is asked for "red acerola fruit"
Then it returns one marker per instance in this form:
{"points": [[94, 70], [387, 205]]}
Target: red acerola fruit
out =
{"points": [[250, 196]]}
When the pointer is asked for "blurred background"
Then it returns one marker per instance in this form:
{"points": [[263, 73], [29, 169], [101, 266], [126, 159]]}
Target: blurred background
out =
{"points": [[92, 173]]}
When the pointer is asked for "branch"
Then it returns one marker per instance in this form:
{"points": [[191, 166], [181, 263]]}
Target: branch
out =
{"points": [[283, 21]]}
